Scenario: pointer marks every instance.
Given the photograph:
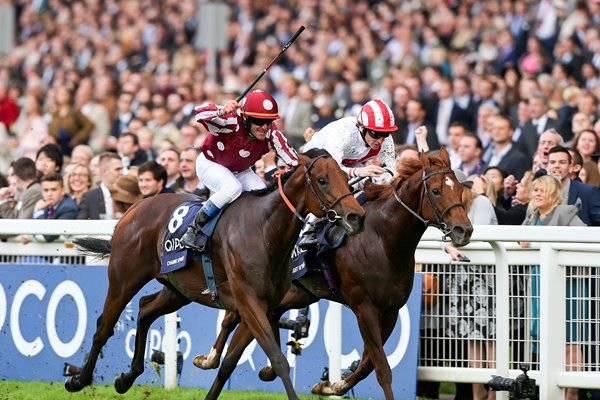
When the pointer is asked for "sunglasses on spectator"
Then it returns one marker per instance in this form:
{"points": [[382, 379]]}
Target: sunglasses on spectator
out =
{"points": [[378, 135], [261, 122]]}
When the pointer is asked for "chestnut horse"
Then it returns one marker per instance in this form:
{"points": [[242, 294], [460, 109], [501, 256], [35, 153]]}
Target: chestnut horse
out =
{"points": [[250, 248], [374, 271]]}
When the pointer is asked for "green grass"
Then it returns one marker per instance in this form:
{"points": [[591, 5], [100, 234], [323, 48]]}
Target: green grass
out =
{"points": [[16, 390]]}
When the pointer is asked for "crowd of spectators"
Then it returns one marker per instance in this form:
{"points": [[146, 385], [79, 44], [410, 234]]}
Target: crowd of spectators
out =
{"points": [[95, 90]]}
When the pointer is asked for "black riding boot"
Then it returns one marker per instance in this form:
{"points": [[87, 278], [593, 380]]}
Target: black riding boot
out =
{"points": [[189, 239], [309, 241]]}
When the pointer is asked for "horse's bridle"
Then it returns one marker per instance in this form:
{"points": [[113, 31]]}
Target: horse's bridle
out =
{"points": [[330, 213], [440, 224]]}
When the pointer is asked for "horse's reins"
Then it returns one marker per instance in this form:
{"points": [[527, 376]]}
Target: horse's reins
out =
{"points": [[330, 213], [440, 224]]}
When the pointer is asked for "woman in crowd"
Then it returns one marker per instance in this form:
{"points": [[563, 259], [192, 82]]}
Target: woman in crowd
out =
{"points": [[79, 181], [586, 143], [589, 173], [69, 127], [49, 159], [545, 209]]}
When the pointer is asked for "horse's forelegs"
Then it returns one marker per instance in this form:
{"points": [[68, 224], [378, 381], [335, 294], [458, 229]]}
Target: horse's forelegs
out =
{"points": [[211, 361], [240, 340], [254, 315], [151, 307]]}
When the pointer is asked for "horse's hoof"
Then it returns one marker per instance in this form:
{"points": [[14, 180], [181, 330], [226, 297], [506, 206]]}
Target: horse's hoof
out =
{"points": [[322, 388], [72, 384], [202, 362], [267, 374], [121, 384]]}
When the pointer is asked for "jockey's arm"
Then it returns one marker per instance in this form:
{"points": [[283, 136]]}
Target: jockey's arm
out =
{"points": [[217, 120], [279, 143]]}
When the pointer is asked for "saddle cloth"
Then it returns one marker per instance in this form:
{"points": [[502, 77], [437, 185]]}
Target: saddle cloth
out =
{"points": [[176, 256]]}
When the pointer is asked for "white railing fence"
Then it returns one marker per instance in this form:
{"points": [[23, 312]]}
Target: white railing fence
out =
{"points": [[553, 285]]}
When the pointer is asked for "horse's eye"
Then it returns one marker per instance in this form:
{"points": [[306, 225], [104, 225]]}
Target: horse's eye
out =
{"points": [[436, 192], [322, 181]]}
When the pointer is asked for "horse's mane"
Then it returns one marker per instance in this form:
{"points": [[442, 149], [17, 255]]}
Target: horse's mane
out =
{"points": [[312, 153], [406, 169]]}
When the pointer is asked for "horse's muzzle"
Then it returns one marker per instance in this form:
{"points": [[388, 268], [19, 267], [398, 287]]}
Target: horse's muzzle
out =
{"points": [[461, 234], [353, 223]]}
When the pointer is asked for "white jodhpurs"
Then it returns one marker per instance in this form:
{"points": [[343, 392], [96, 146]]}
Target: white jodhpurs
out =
{"points": [[225, 185]]}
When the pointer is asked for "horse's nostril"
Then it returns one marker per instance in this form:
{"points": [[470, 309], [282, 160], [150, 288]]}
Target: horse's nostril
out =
{"points": [[355, 218], [459, 231]]}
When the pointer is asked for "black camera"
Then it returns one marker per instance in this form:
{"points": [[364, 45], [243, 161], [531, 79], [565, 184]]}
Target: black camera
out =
{"points": [[299, 328], [158, 357], [521, 388]]}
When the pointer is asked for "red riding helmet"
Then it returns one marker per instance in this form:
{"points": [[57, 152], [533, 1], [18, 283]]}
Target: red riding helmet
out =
{"points": [[259, 104], [377, 116]]}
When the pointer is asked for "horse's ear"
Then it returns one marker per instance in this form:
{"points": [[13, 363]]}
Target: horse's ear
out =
{"points": [[444, 155], [424, 160]]}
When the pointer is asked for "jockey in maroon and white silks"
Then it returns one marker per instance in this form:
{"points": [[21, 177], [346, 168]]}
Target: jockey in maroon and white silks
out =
{"points": [[239, 135], [352, 141]]}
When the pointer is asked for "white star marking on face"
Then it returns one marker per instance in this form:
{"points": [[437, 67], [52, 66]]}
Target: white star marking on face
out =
{"points": [[449, 182]]}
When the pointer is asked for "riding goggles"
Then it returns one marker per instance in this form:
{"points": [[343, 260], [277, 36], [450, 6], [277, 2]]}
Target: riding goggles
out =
{"points": [[378, 135], [260, 121]]}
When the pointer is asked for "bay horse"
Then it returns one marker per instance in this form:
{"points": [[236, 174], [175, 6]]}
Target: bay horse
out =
{"points": [[251, 246], [374, 271]]}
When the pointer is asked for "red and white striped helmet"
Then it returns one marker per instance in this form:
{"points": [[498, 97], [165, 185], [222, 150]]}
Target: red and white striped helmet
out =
{"points": [[377, 116], [259, 104]]}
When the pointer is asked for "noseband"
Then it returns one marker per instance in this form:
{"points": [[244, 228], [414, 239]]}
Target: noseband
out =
{"points": [[440, 224], [330, 213]]}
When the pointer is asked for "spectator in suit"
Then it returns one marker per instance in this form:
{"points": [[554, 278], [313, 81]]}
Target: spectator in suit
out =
{"points": [[456, 131], [54, 204], [415, 117], [548, 140], [187, 170], [539, 123], [464, 98], [97, 203], [521, 120], [444, 111], [485, 117], [125, 192], [146, 140], [470, 151], [128, 148], [296, 109], [169, 159], [502, 152], [585, 197], [122, 119], [152, 178], [18, 200]]}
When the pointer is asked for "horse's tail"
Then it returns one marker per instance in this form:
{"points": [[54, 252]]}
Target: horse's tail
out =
{"points": [[91, 246]]}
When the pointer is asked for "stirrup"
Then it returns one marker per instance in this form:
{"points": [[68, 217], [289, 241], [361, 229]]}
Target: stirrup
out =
{"points": [[190, 238], [309, 241]]}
